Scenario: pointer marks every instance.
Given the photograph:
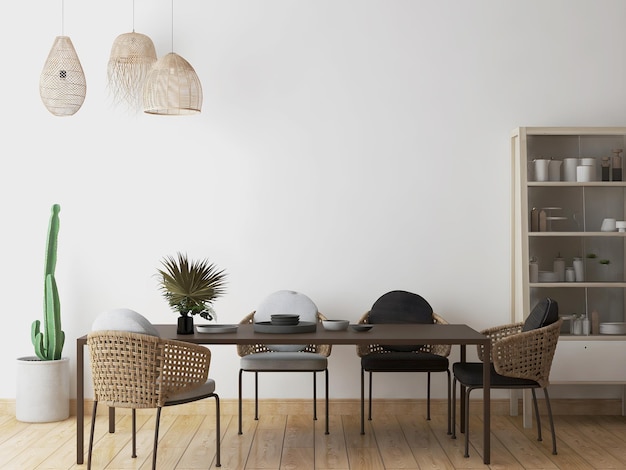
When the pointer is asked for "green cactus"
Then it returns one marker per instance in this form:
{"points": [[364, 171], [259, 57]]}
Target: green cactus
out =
{"points": [[49, 343]]}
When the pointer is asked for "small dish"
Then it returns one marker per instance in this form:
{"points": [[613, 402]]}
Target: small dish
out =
{"points": [[361, 327], [216, 328], [335, 325]]}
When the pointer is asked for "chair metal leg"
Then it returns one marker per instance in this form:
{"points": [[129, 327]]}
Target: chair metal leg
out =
{"points": [[315, 396], [428, 399], [370, 397], [545, 391], [156, 438], [93, 427], [217, 431], [240, 407], [362, 400], [449, 403], [537, 414], [326, 374], [467, 398], [256, 396], [134, 432], [454, 408]]}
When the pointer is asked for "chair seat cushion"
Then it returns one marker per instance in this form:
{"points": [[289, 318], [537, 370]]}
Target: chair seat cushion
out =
{"points": [[284, 361], [471, 374], [195, 394], [404, 362]]}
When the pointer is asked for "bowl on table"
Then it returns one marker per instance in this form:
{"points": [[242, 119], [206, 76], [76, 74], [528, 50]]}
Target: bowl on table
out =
{"points": [[335, 325], [361, 327]]}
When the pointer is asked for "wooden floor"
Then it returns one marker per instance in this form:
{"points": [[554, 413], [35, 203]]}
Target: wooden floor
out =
{"points": [[297, 442]]}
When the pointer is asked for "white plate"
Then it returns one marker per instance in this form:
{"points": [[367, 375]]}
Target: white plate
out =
{"points": [[617, 328], [216, 328]]}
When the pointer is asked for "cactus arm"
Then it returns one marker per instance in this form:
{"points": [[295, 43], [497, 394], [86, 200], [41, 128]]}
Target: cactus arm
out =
{"points": [[51, 243], [37, 339], [52, 322]]}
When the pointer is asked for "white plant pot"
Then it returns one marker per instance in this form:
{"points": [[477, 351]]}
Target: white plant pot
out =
{"points": [[43, 390]]}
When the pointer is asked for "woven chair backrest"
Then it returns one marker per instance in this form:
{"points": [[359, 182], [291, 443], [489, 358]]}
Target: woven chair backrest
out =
{"points": [[132, 370]]}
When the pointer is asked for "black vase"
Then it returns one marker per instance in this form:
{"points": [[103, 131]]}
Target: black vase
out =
{"points": [[185, 325]]}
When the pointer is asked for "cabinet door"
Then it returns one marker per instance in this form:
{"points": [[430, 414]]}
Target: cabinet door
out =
{"points": [[589, 361]]}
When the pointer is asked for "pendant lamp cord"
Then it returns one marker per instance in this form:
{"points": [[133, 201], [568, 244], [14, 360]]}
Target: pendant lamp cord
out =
{"points": [[133, 16], [172, 25], [62, 17]]}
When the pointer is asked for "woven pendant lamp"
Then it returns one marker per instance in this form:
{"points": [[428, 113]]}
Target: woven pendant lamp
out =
{"points": [[172, 87], [62, 84], [132, 57]]}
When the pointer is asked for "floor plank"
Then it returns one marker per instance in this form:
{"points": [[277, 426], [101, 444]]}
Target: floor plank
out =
{"points": [[297, 442]]}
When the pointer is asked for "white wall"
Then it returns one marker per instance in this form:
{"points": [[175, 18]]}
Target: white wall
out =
{"points": [[345, 148]]}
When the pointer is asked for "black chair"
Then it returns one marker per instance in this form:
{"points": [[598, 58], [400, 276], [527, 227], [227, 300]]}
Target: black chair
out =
{"points": [[521, 357], [402, 307]]}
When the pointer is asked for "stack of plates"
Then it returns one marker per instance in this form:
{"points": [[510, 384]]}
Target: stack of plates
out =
{"points": [[284, 319], [617, 328]]}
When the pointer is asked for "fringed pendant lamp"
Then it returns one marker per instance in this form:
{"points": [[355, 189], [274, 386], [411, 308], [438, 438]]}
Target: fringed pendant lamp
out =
{"points": [[172, 87], [132, 57], [62, 84]]}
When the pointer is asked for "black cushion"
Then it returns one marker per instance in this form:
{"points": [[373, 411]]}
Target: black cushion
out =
{"points": [[470, 374], [545, 313], [400, 306], [404, 362]]}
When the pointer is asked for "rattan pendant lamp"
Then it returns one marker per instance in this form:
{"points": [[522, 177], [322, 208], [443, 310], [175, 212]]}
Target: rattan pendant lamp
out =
{"points": [[132, 57], [172, 87], [62, 84]]}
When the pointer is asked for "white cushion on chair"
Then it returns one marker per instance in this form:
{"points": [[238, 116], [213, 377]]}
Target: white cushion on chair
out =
{"points": [[124, 319], [284, 361], [286, 301], [189, 395]]}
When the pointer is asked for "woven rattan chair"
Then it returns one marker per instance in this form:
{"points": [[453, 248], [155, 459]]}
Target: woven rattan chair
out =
{"points": [[284, 358], [521, 357], [132, 370], [402, 307]]}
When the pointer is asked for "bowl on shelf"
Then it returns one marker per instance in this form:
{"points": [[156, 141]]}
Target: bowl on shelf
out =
{"points": [[335, 325], [620, 225], [548, 276]]}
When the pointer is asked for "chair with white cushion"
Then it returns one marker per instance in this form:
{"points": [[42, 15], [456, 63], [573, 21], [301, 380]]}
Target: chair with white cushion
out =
{"points": [[283, 358], [133, 368]]}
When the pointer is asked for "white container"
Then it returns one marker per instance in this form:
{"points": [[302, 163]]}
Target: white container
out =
{"points": [[569, 169], [554, 170], [608, 225], [542, 169], [570, 274], [43, 390], [534, 271], [585, 173], [559, 269], [579, 270]]}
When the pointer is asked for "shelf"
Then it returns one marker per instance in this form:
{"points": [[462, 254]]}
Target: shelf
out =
{"points": [[576, 184], [577, 234], [577, 284], [568, 337]]}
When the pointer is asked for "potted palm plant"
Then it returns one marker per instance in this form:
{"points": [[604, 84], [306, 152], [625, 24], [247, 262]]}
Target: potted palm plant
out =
{"points": [[43, 386], [190, 287]]}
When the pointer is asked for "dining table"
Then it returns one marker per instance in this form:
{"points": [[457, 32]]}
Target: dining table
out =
{"points": [[388, 334]]}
